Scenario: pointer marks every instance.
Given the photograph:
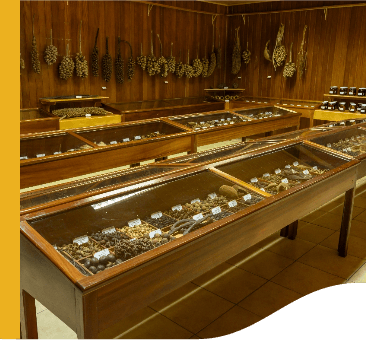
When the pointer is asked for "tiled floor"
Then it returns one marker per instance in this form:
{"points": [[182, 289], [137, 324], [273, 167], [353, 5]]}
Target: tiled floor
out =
{"points": [[249, 286]]}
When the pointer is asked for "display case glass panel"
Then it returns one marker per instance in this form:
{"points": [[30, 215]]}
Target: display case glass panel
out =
{"points": [[126, 133], [47, 145], [280, 170], [209, 120], [294, 103], [195, 200], [263, 112], [351, 141]]}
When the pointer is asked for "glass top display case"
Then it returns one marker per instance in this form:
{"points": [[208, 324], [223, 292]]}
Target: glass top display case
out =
{"points": [[300, 104], [264, 112], [144, 218], [205, 121]]}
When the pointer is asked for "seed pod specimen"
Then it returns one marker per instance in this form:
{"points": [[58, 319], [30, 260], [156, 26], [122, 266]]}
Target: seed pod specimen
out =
{"points": [[95, 64], [205, 63], [67, 65], [289, 68], [236, 56], [162, 62], [246, 55], [213, 59], [266, 51], [36, 65], [302, 56], [189, 72], [279, 53], [180, 68], [79, 112], [22, 64], [130, 64], [50, 54], [171, 62], [80, 61], [197, 65], [142, 59], [107, 64], [152, 64], [119, 64], [218, 54]]}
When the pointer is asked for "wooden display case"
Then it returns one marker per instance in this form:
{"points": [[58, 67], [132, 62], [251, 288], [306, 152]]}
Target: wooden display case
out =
{"points": [[35, 120], [161, 108], [89, 304]]}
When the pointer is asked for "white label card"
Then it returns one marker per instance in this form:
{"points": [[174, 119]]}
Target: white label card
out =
{"points": [[331, 125], [277, 171], [78, 97], [195, 200], [177, 207], [306, 172], [287, 166], [254, 180], [229, 118], [342, 123], [231, 122], [137, 137], [360, 94], [23, 157], [113, 142], [133, 239], [198, 216], [225, 124], [71, 150], [284, 180], [222, 120], [315, 167], [212, 195], [88, 115], [126, 140], [101, 253], [40, 155], [156, 215], [295, 163], [81, 239], [232, 204], [152, 233], [216, 210], [202, 123], [110, 230], [328, 145], [134, 223], [247, 197], [266, 175], [57, 152]]}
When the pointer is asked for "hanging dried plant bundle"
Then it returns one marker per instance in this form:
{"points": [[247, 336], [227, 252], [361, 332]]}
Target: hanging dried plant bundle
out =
{"points": [[189, 71], [236, 56], [142, 59], [130, 64], [152, 64], [67, 65], [246, 55], [266, 51], [218, 54], [197, 65], [289, 68], [279, 53], [119, 64], [81, 63], [171, 62], [36, 64], [180, 68], [302, 55], [50, 54], [213, 59], [95, 64], [162, 62], [205, 63], [22, 64], [107, 64]]}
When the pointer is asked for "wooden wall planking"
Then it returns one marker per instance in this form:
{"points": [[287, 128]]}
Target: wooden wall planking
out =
{"points": [[336, 48]]}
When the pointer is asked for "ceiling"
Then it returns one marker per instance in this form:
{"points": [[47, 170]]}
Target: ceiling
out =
{"points": [[232, 2]]}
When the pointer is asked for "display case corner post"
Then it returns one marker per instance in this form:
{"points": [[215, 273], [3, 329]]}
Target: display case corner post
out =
{"points": [[28, 318], [292, 231], [284, 231], [346, 222]]}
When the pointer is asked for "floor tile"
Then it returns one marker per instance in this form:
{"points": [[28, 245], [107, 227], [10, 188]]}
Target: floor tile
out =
{"points": [[145, 324], [358, 229], [361, 217], [312, 232], [292, 249], [268, 299], [359, 276], [311, 217], [229, 282], [328, 260], [232, 321], [39, 307], [361, 189], [51, 327], [339, 211], [329, 220], [304, 279], [356, 245], [360, 200], [265, 264], [192, 307], [269, 240]]}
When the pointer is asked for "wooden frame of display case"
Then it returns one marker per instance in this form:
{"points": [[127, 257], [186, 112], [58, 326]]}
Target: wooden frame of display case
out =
{"points": [[39, 122], [89, 305]]}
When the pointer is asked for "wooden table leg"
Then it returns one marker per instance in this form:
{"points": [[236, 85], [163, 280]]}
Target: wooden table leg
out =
{"points": [[292, 231], [28, 318], [194, 145], [346, 222], [284, 231]]}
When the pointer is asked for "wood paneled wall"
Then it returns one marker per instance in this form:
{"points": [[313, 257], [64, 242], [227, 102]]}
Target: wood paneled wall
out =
{"points": [[129, 20], [336, 48]]}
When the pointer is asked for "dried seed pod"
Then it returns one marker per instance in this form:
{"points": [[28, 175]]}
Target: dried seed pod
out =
{"points": [[162, 62], [130, 64], [218, 53], [152, 64], [189, 71], [50, 54], [266, 51], [119, 64], [36, 64], [81, 64], [79, 112], [107, 64], [279, 53], [205, 63], [213, 63], [67, 65], [171, 62], [197, 65], [289, 68], [142, 59], [180, 68], [236, 55], [302, 56], [22, 64], [95, 63], [246, 55]]}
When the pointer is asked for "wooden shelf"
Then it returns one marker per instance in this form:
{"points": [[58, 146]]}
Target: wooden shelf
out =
{"points": [[341, 96], [224, 89], [336, 115], [48, 101]]}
